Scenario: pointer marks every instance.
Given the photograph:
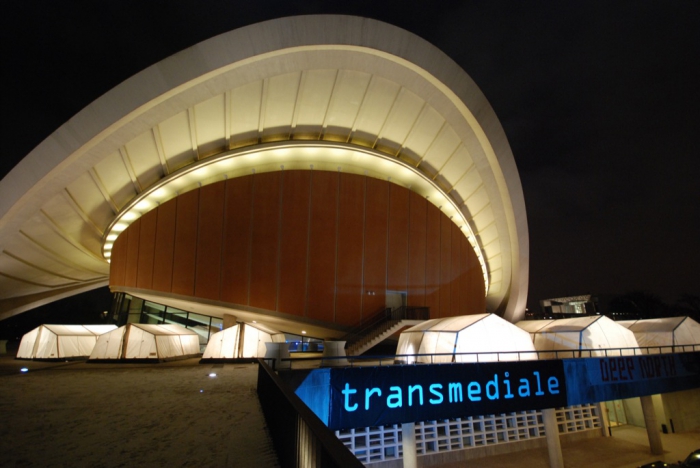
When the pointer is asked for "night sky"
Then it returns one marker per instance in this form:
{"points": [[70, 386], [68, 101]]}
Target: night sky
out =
{"points": [[600, 102]]}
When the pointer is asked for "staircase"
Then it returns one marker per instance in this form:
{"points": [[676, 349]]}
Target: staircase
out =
{"points": [[381, 326], [376, 336]]}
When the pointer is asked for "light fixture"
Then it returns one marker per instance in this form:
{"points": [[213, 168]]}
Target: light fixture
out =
{"points": [[287, 155], [303, 332]]}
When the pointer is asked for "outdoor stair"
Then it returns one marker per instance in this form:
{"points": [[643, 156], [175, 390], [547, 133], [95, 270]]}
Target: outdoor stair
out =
{"points": [[377, 335], [381, 326]]}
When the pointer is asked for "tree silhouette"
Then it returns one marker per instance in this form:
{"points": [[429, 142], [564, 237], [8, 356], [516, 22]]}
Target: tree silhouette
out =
{"points": [[639, 304]]}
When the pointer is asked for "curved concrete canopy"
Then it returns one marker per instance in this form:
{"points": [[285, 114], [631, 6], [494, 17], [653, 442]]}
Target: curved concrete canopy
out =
{"points": [[320, 82]]}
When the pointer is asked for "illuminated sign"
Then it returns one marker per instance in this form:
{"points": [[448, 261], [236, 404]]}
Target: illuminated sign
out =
{"points": [[364, 396], [616, 377], [372, 396]]}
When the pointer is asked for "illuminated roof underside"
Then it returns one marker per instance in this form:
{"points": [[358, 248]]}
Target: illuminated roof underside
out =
{"points": [[320, 93]]}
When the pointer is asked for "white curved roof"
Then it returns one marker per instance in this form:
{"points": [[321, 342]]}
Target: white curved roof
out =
{"points": [[311, 92]]}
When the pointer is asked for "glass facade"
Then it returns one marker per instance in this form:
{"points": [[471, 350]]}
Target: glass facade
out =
{"points": [[129, 309], [303, 343]]}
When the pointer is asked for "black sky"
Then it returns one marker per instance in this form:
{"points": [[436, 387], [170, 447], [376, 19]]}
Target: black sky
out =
{"points": [[600, 102]]}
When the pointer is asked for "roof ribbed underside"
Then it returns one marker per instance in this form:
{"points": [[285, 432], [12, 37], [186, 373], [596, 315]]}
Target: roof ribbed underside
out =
{"points": [[311, 94]]}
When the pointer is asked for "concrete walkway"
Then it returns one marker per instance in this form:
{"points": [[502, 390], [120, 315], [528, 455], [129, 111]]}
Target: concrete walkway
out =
{"points": [[627, 448], [114, 415]]}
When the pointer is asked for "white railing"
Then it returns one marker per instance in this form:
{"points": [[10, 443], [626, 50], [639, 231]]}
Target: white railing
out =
{"points": [[504, 356], [383, 443]]}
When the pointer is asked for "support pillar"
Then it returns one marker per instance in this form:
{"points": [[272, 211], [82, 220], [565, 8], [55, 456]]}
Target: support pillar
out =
{"points": [[551, 431], [651, 424], [229, 321], [604, 419], [334, 349], [408, 437]]}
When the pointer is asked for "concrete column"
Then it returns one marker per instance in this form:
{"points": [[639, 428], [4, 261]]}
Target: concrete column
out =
{"points": [[278, 351], [229, 320], [604, 419], [652, 426], [551, 431], [334, 349], [408, 437]]}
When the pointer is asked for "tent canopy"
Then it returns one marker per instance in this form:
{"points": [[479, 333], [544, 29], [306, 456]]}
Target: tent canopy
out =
{"points": [[243, 340], [665, 332], [591, 333], [61, 341], [442, 340], [145, 341]]}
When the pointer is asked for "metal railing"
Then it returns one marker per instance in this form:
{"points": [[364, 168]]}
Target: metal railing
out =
{"points": [[300, 438], [382, 321], [495, 356]]}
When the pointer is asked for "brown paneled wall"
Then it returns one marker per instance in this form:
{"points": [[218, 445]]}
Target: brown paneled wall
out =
{"points": [[321, 245]]}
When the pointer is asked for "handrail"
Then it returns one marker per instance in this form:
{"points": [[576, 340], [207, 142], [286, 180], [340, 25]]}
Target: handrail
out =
{"points": [[383, 316], [358, 330], [299, 436], [491, 356]]}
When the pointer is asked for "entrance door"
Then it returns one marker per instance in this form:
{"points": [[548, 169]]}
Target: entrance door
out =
{"points": [[395, 299], [616, 413]]}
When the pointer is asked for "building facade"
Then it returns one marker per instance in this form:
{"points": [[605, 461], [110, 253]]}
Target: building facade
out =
{"points": [[305, 171]]}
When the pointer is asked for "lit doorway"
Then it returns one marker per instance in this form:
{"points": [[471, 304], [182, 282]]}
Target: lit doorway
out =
{"points": [[395, 299], [616, 413]]}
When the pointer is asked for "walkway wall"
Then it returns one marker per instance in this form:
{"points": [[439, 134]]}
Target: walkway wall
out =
{"points": [[321, 245]]}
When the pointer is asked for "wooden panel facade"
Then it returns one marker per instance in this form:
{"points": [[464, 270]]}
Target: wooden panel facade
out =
{"points": [[185, 252], [117, 265], [132, 254], [236, 259], [147, 238], [417, 230], [164, 247], [209, 237], [291, 294], [265, 240], [351, 213], [432, 260], [445, 266], [321, 245], [323, 225], [397, 260]]}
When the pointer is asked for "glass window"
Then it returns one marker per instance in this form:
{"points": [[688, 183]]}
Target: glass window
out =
{"points": [[153, 313], [294, 342], [199, 324], [217, 325], [175, 316]]}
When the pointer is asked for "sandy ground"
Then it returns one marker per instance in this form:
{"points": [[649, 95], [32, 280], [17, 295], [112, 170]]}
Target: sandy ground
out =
{"points": [[110, 415]]}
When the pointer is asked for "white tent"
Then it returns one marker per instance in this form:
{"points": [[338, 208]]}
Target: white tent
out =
{"points": [[61, 341], [489, 335], [143, 341], [584, 336], [226, 344], [666, 333]]}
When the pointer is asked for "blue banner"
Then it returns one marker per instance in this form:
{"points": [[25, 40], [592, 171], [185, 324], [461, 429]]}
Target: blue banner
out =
{"points": [[371, 396], [611, 378]]}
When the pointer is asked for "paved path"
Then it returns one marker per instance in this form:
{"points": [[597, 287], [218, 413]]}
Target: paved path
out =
{"points": [[627, 448]]}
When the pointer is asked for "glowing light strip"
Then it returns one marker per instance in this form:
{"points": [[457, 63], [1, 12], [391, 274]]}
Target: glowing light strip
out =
{"points": [[306, 155]]}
